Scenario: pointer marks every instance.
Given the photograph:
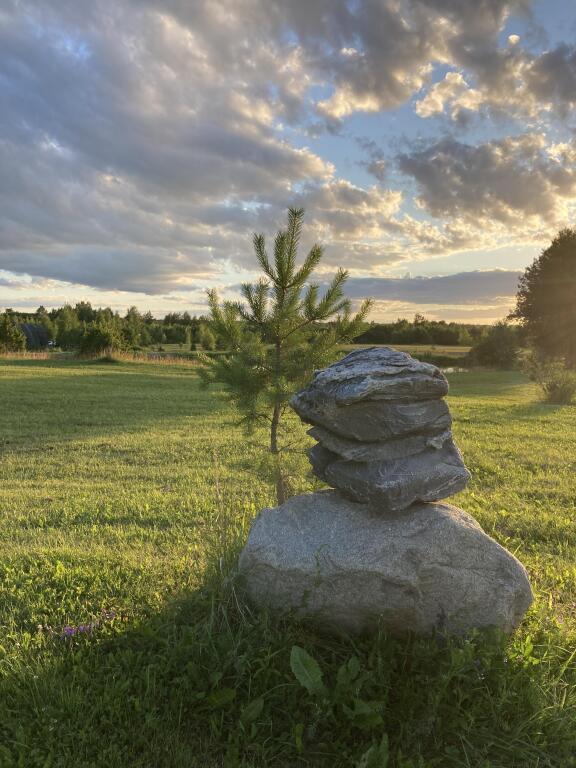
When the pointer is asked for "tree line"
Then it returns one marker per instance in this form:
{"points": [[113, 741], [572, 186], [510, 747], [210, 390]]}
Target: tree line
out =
{"points": [[90, 330], [422, 331]]}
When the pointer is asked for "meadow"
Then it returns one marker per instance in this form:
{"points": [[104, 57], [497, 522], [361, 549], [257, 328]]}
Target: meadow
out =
{"points": [[126, 492], [458, 353]]}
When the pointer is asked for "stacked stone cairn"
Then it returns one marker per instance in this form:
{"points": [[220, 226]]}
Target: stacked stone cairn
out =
{"points": [[379, 549]]}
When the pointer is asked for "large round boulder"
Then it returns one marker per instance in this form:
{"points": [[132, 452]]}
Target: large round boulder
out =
{"points": [[348, 568]]}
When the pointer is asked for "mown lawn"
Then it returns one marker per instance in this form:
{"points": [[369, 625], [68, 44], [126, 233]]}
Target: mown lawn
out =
{"points": [[125, 494]]}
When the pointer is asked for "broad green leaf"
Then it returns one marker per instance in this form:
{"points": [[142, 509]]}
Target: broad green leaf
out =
{"points": [[348, 672], [377, 756], [221, 697], [306, 670], [363, 715], [251, 711]]}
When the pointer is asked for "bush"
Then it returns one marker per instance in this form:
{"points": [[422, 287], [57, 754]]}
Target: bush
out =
{"points": [[558, 382], [498, 347], [101, 337]]}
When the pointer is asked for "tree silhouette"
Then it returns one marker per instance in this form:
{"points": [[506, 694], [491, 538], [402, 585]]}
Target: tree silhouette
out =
{"points": [[546, 299]]}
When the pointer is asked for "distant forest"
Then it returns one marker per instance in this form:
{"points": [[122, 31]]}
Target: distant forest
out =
{"points": [[75, 328]]}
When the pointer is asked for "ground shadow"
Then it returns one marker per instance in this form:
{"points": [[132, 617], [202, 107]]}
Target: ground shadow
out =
{"points": [[207, 682]]}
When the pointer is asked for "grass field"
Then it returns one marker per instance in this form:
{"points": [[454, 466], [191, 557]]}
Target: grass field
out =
{"points": [[416, 350], [441, 350], [126, 492]]}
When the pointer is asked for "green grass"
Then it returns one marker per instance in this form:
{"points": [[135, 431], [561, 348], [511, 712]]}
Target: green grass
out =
{"points": [[441, 351], [419, 350], [126, 492]]}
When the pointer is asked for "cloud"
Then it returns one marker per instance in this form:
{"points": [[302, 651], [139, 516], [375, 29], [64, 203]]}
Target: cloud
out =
{"points": [[481, 296], [130, 159], [381, 53], [341, 210], [376, 164], [509, 82], [492, 286], [453, 92], [551, 78], [511, 181], [142, 142]]}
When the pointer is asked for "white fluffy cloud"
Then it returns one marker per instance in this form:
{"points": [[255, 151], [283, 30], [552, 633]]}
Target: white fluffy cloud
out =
{"points": [[453, 92], [514, 82]]}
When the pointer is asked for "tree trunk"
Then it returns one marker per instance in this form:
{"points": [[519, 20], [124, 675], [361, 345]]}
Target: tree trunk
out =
{"points": [[274, 449]]}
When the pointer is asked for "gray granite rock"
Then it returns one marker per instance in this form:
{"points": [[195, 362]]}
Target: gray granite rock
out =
{"points": [[320, 459], [373, 420], [347, 568], [394, 485], [379, 373], [379, 451]]}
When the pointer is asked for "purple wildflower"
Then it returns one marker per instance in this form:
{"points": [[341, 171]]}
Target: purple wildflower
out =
{"points": [[81, 629]]}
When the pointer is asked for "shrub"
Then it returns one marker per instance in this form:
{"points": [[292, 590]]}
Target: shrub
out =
{"points": [[498, 347], [100, 337], [557, 381]]}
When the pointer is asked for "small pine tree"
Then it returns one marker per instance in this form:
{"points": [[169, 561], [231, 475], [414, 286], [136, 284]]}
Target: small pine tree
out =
{"points": [[284, 332], [11, 337]]}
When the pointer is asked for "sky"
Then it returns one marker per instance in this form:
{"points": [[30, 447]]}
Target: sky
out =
{"points": [[432, 144]]}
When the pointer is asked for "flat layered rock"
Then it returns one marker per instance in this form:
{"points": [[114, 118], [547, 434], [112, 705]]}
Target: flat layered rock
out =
{"points": [[379, 373], [394, 485], [372, 420], [349, 569], [378, 451]]}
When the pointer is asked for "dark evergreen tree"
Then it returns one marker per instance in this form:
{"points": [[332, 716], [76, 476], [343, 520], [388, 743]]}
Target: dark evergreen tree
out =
{"points": [[157, 334]]}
